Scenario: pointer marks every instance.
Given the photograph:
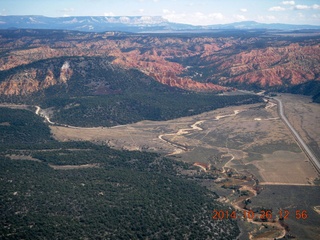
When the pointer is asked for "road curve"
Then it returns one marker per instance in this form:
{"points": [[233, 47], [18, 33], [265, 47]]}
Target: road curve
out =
{"points": [[300, 141]]}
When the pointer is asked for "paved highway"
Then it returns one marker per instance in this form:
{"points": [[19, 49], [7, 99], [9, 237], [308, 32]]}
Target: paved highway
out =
{"points": [[302, 144]]}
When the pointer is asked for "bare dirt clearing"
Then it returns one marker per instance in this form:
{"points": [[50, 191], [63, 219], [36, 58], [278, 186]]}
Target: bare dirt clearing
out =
{"points": [[69, 167], [14, 106], [55, 167], [22, 157]]}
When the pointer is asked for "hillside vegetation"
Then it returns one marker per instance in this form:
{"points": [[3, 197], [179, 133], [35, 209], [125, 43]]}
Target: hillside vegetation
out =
{"points": [[91, 91], [123, 195]]}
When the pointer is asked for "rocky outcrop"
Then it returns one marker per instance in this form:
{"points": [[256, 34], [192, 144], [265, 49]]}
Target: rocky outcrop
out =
{"points": [[49, 80], [22, 86], [65, 73], [186, 83], [154, 64], [32, 80], [291, 65]]}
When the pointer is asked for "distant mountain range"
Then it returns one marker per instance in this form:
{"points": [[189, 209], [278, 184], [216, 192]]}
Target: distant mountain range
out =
{"points": [[129, 24]]}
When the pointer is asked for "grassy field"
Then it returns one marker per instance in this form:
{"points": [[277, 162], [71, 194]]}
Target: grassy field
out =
{"points": [[305, 117], [293, 168]]}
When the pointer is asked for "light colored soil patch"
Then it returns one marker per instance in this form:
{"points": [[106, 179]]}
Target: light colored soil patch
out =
{"points": [[285, 167], [70, 167], [56, 167], [131, 136], [14, 106], [317, 209]]}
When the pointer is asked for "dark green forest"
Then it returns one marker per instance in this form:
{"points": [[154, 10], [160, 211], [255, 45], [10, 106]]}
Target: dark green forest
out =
{"points": [[311, 88], [127, 195], [22, 126]]}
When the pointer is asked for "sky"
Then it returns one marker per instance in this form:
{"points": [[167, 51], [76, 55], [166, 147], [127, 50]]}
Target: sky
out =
{"points": [[196, 12]]}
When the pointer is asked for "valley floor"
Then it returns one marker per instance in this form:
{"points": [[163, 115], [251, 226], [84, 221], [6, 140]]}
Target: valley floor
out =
{"points": [[248, 138], [248, 147], [255, 160]]}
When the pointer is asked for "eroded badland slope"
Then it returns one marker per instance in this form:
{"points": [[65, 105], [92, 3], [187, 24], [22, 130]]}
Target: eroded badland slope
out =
{"points": [[191, 62]]}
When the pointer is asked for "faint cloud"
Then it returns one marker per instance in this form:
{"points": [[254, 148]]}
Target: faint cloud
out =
{"points": [[173, 16], [141, 10], [306, 7], [267, 19], [196, 18], [316, 16], [67, 10], [316, 7], [239, 17], [260, 18], [3, 12], [166, 11], [109, 14], [218, 16], [302, 7], [271, 17], [288, 3], [243, 10], [277, 9]]}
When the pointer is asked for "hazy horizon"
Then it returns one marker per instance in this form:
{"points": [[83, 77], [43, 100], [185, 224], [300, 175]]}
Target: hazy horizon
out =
{"points": [[201, 12]]}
